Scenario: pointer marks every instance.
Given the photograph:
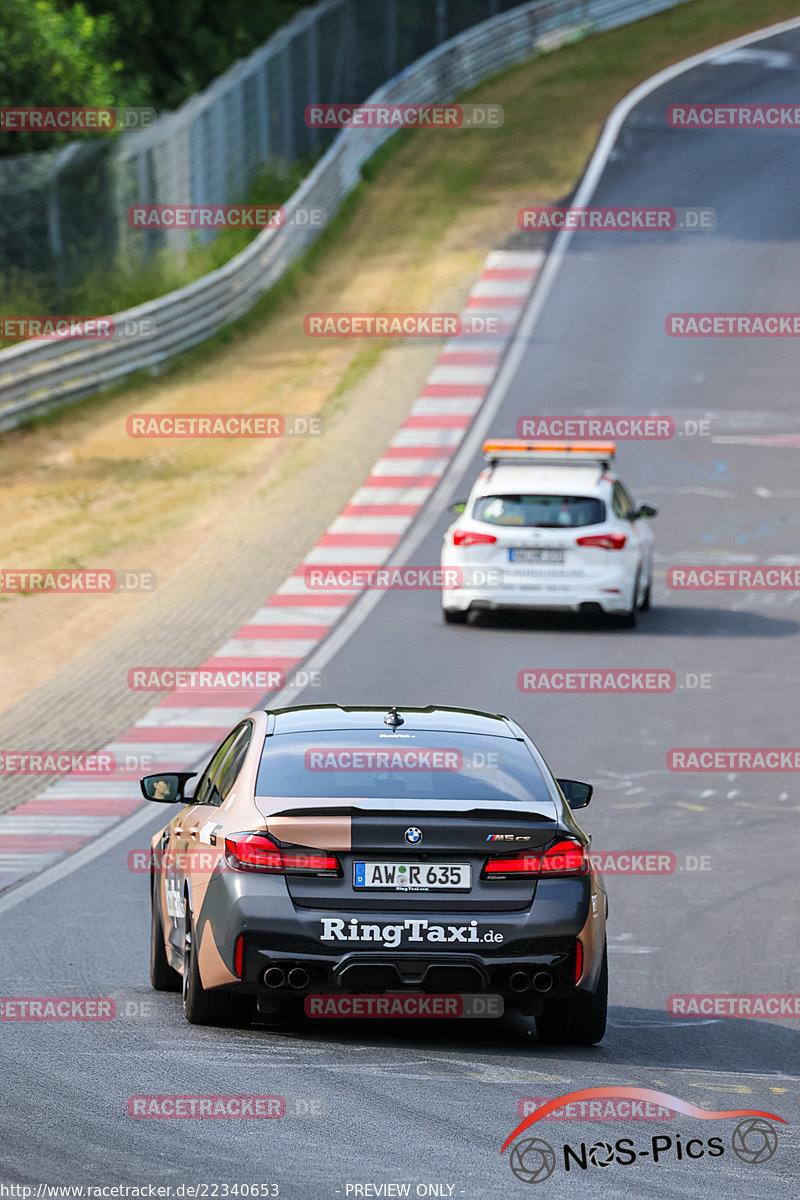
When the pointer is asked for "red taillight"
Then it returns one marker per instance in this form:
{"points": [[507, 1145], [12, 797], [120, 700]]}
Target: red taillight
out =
{"points": [[465, 537], [255, 852], [604, 541], [578, 960], [525, 864], [238, 954], [565, 858]]}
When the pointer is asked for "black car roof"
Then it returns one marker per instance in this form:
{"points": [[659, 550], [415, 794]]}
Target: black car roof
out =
{"points": [[314, 717]]}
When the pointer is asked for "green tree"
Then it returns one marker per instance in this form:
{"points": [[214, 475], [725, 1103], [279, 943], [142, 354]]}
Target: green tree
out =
{"points": [[172, 50], [53, 56]]}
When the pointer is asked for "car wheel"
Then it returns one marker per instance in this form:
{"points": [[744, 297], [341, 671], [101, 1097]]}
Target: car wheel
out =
{"points": [[628, 620], [578, 1021], [645, 605], [162, 977], [203, 1007], [455, 616]]}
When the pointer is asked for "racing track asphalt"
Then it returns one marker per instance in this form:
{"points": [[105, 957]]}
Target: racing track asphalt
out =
{"points": [[419, 1103]]}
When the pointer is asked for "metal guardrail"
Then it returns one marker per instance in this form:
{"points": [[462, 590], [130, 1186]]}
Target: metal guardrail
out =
{"points": [[39, 374]]}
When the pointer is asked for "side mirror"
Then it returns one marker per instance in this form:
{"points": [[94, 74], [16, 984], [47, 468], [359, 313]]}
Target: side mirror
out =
{"points": [[166, 789], [647, 510], [457, 507], [576, 794]]}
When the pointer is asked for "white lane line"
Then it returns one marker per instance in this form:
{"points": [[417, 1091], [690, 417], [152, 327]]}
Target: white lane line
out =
{"points": [[410, 466], [13, 825], [778, 60], [499, 260], [201, 717], [340, 556], [492, 289], [266, 648], [369, 525], [446, 374], [83, 789], [438, 437], [391, 494], [437, 406], [297, 615]]}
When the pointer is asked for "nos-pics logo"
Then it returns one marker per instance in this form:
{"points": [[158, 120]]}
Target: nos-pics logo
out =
{"points": [[532, 1159]]}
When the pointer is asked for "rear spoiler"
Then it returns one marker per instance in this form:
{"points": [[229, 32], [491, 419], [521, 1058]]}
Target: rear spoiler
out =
{"points": [[571, 453]]}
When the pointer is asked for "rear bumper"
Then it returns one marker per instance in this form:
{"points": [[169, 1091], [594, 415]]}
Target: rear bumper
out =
{"points": [[539, 587], [545, 596], [390, 950]]}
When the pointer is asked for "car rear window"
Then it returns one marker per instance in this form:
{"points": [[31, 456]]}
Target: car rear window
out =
{"points": [[542, 512], [367, 764]]}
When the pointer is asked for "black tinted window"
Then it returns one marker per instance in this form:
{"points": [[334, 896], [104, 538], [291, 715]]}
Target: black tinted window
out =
{"points": [[543, 512], [420, 766], [232, 763]]}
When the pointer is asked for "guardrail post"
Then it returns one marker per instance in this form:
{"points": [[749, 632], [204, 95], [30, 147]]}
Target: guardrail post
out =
{"points": [[440, 19], [390, 38], [287, 149], [312, 90]]}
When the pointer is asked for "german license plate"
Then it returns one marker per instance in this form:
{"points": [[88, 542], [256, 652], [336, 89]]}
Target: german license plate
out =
{"points": [[413, 877], [529, 555]]}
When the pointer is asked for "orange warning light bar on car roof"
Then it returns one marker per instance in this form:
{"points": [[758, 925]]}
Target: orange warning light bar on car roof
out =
{"points": [[519, 449]]}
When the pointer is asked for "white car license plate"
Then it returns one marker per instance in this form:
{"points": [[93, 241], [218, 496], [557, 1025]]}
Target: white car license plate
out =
{"points": [[529, 555], [413, 877]]}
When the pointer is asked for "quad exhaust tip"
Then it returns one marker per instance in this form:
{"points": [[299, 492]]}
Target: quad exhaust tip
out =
{"points": [[297, 978], [521, 981], [274, 977]]}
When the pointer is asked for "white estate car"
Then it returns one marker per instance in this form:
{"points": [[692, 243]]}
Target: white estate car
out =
{"points": [[548, 525]]}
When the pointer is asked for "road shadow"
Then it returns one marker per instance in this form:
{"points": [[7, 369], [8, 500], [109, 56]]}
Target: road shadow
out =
{"points": [[661, 621], [635, 1037]]}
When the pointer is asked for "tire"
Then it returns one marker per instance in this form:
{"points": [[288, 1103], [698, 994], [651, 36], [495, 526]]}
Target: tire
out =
{"points": [[455, 616], [645, 605], [630, 619], [578, 1021], [202, 1007], [162, 977]]}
